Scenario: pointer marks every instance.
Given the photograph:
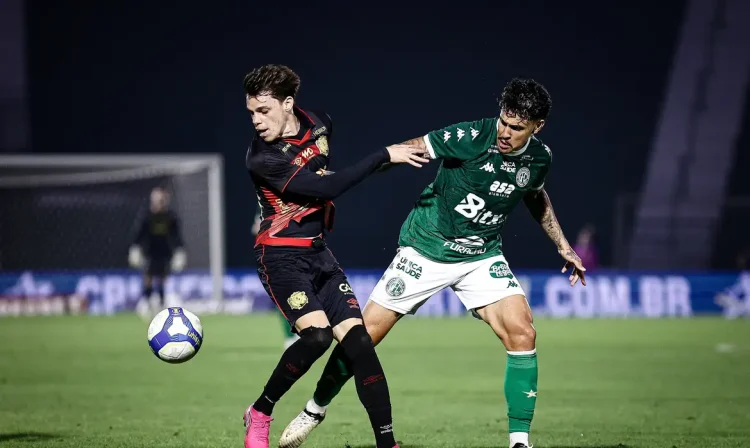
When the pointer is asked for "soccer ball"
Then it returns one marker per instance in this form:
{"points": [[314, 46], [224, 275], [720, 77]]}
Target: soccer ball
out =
{"points": [[175, 335]]}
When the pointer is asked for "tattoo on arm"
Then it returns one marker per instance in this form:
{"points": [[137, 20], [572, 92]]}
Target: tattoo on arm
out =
{"points": [[419, 143], [539, 205]]}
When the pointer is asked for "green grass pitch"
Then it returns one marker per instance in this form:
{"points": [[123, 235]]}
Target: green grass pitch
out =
{"points": [[93, 382]]}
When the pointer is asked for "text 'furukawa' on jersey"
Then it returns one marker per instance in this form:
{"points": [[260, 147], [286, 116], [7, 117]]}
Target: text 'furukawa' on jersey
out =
{"points": [[460, 215]]}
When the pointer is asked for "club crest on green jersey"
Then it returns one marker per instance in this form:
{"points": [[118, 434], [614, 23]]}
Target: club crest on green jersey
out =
{"points": [[522, 177]]}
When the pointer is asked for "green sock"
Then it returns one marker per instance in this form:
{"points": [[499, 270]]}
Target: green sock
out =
{"points": [[285, 327], [335, 374], [521, 373]]}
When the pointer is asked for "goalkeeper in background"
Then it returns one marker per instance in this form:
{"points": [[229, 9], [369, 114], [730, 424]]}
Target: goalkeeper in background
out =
{"points": [[158, 248], [290, 337]]}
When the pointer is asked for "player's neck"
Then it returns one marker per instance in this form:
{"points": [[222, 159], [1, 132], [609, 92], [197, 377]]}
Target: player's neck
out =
{"points": [[291, 128]]}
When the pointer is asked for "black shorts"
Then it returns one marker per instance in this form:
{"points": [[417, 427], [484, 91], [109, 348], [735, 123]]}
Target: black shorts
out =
{"points": [[158, 266], [301, 280]]}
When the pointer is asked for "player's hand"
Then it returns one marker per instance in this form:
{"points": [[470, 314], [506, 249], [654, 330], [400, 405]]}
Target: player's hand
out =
{"points": [[572, 260], [413, 155], [135, 257], [179, 259]]}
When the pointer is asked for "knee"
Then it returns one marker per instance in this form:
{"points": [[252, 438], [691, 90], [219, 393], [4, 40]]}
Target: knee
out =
{"points": [[521, 336], [317, 339], [357, 341]]}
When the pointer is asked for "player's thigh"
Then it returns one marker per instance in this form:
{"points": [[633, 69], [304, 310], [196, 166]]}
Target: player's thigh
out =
{"points": [[312, 319], [488, 281], [493, 293], [288, 280], [379, 320], [512, 321], [336, 295], [411, 279], [343, 309]]}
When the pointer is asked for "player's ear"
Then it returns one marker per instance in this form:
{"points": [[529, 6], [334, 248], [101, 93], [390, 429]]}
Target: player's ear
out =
{"points": [[288, 104], [539, 126]]}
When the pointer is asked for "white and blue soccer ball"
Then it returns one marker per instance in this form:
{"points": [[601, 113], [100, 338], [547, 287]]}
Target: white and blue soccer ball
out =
{"points": [[175, 335]]}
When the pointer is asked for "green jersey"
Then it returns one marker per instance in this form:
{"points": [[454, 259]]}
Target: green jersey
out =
{"points": [[460, 215]]}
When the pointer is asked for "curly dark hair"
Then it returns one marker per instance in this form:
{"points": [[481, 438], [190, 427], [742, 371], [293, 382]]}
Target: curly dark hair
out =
{"points": [[278, 81], [526, 98]]}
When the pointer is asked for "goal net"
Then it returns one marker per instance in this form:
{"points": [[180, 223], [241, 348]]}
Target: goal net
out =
{"points": [[79, 213]]}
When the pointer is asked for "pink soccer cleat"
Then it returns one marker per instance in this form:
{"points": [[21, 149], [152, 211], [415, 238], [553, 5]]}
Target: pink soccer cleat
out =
{"points": [[257, 427]]}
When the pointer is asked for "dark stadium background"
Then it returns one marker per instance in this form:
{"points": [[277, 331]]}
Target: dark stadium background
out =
{"points": [[651, 100], [115, 77]]}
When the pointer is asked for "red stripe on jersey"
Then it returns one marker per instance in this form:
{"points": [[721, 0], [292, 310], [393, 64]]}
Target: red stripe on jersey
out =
{"points": [[300, 141], [312, 122], [292, 177], [307, 134], [272, 199]]}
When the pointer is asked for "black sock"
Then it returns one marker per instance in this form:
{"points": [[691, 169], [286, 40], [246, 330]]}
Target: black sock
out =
{"points": [[336, 373], [372, 386], [295, 362], [147, 291]]}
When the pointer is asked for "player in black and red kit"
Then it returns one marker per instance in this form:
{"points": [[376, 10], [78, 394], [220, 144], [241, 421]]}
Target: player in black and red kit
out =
{"points": [[288, 162]]}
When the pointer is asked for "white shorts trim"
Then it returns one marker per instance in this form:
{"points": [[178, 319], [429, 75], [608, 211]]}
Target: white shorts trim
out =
{"points": [[412, 279], [527, 352]]}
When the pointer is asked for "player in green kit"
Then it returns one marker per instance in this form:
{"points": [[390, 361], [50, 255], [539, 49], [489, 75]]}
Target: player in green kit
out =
{"points": [[452, 238]]}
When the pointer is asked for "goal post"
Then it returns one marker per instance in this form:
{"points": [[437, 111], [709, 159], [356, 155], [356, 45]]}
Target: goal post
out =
{"points": [[79, 211]]}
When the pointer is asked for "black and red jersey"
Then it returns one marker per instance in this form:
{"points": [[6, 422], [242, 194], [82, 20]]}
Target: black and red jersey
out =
{"points": [[273, 165], [293, 187]]}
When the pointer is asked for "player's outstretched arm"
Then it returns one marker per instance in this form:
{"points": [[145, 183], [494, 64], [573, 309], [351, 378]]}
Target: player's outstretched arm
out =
{"points": [[417, 143], [333, 184], [540, 206]]}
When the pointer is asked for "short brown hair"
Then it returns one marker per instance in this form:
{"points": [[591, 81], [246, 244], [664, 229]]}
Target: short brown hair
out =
{"points": [[278, 81]]}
